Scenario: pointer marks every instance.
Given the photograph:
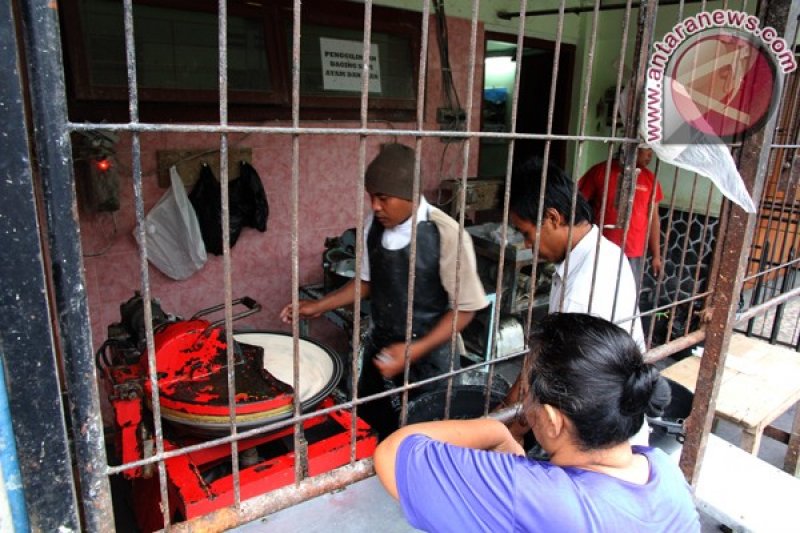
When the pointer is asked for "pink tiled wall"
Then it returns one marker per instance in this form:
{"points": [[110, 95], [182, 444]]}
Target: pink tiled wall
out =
{"points": [[261, 262]]}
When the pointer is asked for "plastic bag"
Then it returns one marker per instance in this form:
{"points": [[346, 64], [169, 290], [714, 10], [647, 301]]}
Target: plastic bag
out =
{"points": [[711, 158], [174, 243]]}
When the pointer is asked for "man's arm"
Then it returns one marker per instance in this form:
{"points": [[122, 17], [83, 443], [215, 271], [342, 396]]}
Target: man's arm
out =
{"points": [[345, 295], [654, 242], [393, 360], [480, 434]]}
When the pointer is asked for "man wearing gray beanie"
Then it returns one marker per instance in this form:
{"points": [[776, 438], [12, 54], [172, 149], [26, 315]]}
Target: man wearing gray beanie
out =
{"points": [[389, 181]]}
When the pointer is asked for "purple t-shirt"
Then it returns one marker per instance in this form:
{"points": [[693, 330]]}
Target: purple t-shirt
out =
{"points": [[448, 488]]}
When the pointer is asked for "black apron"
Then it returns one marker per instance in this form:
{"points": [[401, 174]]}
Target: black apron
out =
{"points": [[388, 303]]}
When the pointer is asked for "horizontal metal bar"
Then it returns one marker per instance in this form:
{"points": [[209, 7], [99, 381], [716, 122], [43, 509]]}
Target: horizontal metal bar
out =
{"points": [[297, 130], [260, 506], [675, 346], [766, 306], [508, 15]]}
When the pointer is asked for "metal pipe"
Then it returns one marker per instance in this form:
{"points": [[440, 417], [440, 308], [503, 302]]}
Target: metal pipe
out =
{"points": [[309, 130], [53, 149], [766, 306], [665, 350], [508, 15]]}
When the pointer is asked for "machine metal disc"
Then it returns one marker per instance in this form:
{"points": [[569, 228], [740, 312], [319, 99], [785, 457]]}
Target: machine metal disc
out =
{"points": [[193, 386]]}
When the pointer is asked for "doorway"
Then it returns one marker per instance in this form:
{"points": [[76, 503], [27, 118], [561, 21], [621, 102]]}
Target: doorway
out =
{"points": [[536, 74]]}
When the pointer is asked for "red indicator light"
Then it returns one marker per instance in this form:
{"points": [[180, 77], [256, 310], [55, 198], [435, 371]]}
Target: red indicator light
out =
{"points": [[103, 164]]}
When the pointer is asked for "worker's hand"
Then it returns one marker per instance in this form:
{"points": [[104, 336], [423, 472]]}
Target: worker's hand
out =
{"points": [[305, 309], [391, 360], [657, 265]]}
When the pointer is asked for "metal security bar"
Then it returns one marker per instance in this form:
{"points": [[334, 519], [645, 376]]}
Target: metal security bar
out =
{"points": [[704, 240]]}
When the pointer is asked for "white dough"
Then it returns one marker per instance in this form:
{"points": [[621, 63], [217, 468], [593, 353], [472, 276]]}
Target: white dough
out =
{"points": [[316, 366]]}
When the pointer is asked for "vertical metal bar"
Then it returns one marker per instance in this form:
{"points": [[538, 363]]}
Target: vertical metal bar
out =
{"points": [[768, 254], [717, 253], [53, 148], [621, 176], [362, 156], [582, 131], [494, 322], [548, 141], [776, 321], [651, 210], [224, 179], [412, 259], [682, 264], [300, 448], [781, 15], [144, 273], [507, 191], [756, 297], [664, 251], [626, 181], [40, 463], [419, 122], [584, 112], [698, 266], [473, 40]]}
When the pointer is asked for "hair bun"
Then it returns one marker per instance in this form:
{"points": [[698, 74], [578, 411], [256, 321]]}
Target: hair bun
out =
{"points": [[644, 391], [660, 397]]}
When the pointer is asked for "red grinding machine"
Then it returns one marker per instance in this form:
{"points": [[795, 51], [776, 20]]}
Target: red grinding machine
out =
{"points": [[192, 374]]}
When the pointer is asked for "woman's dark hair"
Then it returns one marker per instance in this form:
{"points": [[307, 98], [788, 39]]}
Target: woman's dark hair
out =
{"points": [[594, 373], [526, 184]]}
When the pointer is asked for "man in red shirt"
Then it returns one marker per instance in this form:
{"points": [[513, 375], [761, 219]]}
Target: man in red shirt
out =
{"points": [[592, 185]]}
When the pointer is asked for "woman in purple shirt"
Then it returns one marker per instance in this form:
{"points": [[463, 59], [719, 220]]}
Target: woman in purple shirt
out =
{"points": [[589, 391]]}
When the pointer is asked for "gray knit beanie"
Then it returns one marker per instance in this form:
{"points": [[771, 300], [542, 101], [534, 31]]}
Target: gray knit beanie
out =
{"points": [[392, 172]]}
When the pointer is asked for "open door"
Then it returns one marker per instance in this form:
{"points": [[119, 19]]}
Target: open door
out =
{"points": [[534, 96]]}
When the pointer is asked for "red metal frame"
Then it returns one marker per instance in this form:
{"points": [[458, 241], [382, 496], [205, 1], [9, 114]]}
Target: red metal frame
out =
{"points": [[188, 352], [190, 496]]}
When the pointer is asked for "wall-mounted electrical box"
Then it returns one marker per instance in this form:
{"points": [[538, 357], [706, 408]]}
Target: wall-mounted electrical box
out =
{"points": [[480, 194]]}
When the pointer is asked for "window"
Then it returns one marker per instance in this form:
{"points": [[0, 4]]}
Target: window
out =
{"points": [[177, 57]]}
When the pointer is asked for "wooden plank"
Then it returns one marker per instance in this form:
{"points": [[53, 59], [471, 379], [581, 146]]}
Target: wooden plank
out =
{"points": [[684, 372], [760, 381]]}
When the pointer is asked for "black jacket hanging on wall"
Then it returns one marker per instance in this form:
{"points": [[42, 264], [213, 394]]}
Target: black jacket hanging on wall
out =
{"points": [[247, 202]]}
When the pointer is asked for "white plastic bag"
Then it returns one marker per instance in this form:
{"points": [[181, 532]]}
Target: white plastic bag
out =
{"points": [[174, 243]]}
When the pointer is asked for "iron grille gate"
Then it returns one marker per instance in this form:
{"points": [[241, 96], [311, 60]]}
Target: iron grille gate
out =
{"points": [[47, 342]]}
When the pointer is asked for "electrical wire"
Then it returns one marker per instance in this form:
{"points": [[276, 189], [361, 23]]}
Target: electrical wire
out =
{"points": [[442, 40]]}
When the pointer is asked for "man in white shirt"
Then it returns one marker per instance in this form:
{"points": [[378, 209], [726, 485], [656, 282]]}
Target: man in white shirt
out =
{"points": [[384, 279], [588, 279]]}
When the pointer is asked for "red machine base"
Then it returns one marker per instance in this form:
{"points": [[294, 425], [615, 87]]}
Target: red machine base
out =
{"points": [[201, 482]]}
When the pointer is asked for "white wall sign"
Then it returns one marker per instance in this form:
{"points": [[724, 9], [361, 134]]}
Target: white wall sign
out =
{"points": [[342, 63]]}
